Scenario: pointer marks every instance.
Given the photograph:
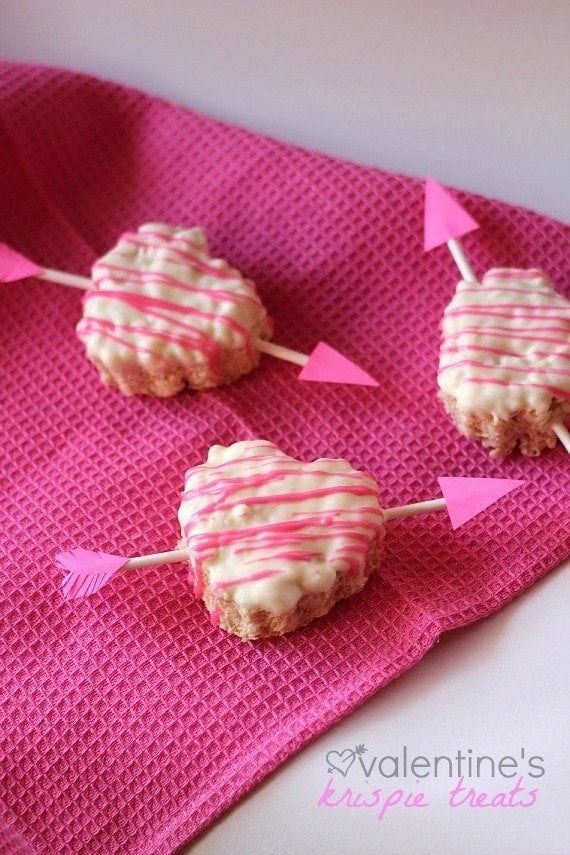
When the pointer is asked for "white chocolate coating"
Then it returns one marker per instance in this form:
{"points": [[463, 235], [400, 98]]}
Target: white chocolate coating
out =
{"points": [[160, 304], [506, 345], [265, 529]]}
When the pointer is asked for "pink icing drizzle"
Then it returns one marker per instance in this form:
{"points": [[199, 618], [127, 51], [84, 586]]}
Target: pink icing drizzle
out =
{"points": [[176, 252], [155, 277], [251, 577], [348, 530], [515, 333], [133, 288]]}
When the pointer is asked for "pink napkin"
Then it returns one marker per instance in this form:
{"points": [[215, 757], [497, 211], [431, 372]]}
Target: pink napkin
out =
{"points": [[129, 723]]}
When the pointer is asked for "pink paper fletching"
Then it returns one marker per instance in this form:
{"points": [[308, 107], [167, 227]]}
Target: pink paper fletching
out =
{"points": [[86, 571], [467, 497], [444, 218], [327, 365], [14, 266]]}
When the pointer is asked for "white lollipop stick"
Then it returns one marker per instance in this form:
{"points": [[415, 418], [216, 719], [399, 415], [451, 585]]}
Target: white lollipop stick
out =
{"points": [[281, 352], [87, 571], [65, 278], [563, 435], [461, 260], [324, 364], [156, 559], [417, 508], [86, 284]]}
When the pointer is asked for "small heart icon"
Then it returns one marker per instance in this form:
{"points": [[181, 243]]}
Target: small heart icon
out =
{"points": [[340, 761]]}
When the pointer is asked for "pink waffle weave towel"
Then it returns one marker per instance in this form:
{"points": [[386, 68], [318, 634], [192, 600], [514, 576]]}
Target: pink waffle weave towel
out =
{"points": [[128, 722]]}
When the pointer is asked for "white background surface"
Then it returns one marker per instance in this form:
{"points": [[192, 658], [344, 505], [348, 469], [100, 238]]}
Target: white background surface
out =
{"points": [[496, 687], [478, 95]]}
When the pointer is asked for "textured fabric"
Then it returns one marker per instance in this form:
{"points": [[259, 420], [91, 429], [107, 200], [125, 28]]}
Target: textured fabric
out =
{"points": [[128, 722], [12, 843]]}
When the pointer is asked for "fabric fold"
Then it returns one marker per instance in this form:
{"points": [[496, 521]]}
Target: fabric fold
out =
{"points": [[128, 722]]}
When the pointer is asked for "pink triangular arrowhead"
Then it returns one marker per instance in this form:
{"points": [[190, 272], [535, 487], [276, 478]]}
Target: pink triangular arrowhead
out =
{"points": [[327, 365], [467, 497], [14, 266], [444, 218], [86, 571]]}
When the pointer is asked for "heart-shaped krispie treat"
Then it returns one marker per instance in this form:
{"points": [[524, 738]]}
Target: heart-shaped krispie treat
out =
{"points": [[164, 314], [504, 369], [274, 542]]}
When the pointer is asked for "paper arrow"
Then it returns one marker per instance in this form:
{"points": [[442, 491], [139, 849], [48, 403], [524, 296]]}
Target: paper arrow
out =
{"points": [[87, 571], [464, 498], [14, 266], [445, 221], [444, 218], [467, 497], [327, 365], [324, 364]]}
